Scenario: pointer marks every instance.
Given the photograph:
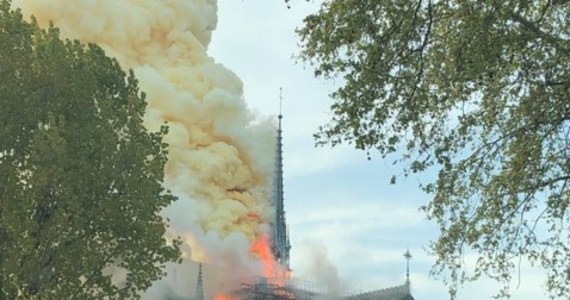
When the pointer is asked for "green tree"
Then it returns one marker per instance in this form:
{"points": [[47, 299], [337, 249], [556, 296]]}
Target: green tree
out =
{"points": [[80, 177], [480, 92]]}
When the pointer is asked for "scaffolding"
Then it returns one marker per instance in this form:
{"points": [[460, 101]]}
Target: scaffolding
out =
{"points": [[267, 289], [275, 289]]}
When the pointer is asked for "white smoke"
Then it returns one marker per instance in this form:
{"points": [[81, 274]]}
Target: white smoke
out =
{"points": [[325, 274], [220, 155]]}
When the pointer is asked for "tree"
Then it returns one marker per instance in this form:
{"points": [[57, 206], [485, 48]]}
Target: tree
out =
{"points": [[80, 177], [480, 92]]}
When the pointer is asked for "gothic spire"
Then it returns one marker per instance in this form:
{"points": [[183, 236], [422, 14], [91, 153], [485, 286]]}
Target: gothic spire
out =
{"points": [[280, 239], [200, 284]]}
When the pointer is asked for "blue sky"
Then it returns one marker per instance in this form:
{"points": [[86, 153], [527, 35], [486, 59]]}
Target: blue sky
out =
{"points": [[339, 204]]}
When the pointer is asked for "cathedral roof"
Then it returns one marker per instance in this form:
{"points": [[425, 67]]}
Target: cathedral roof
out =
{"points": [[401, 292]]}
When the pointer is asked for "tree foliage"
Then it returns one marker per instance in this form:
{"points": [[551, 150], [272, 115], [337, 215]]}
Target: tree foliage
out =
{"points": [[80, 177], [480, 91]]}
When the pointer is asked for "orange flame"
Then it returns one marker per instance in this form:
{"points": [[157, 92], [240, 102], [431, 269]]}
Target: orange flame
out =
{"points": [[272, 270], [261, 248]]}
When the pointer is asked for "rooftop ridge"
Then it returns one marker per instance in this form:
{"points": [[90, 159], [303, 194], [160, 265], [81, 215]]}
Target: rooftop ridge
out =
{"points": [[404, 289]]}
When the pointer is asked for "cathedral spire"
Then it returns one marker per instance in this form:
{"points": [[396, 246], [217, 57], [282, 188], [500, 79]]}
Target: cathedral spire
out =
{"points": [[280, 239], [200, 284]]}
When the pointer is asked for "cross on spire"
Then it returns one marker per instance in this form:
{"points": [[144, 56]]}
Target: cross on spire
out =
{"points": [[280, 102], [408, 257]]}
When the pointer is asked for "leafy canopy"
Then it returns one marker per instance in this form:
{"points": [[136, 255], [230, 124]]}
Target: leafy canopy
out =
{"points": [[479, 90], [80, 177]]}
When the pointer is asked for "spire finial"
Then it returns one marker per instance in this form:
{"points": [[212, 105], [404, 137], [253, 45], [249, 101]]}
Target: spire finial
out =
{"points": [[408, 257], [280, 103]]}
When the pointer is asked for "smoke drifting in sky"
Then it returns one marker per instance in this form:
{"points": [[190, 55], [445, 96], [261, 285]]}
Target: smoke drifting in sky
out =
{"points": [[220, 155]]}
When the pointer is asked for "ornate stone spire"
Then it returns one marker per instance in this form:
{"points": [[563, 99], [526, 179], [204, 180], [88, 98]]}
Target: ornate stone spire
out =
{"points": [[280, 239], [200, 284]]}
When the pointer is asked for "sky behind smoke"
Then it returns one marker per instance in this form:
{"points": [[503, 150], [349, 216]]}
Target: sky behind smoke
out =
{"points": [[339, 204]]}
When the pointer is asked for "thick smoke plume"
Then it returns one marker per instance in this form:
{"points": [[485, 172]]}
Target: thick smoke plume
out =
{"points": [[220, 155]]}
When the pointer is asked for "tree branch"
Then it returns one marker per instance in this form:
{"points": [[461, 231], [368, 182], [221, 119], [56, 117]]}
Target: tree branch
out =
{"points": [[560, 2], [554, 40], [103, 263]]}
